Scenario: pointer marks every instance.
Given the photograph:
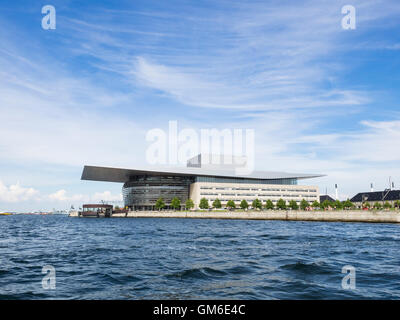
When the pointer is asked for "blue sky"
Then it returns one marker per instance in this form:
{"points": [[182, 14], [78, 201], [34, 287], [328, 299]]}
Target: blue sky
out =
{"points": [[320, 99]]}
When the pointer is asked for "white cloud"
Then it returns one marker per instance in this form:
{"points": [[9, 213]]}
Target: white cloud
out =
{"points": [[68, 122], [62, 196], [106, 196], [269, 57], [378, 143], [194, 89], [16, 193], [352, 159]]}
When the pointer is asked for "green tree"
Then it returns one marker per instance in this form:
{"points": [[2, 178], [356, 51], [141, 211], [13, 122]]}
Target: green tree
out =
{"points": [[397, 204], [348, 204], [231, 204], [387, 205], [176, 203], [204, 204], [377, 205], [326, 204], [366, 205], [217, 204], [244, 205], [281, 204], [160, 204], [338, 205], [293, 205], [257, 204], [189, 204], [316, 204], [304, 204], [269, 205]]}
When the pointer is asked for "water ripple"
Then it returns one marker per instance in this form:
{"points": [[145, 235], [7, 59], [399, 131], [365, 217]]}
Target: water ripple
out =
{"points": [[196, 259]]}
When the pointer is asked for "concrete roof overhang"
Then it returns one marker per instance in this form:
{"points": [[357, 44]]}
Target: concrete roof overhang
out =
{"points": [[109, 174]]}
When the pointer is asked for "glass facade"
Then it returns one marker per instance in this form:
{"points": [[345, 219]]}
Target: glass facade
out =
{"points": [[142, 192]]}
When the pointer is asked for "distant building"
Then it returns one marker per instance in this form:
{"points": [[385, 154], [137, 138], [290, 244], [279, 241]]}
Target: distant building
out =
{"points": [[381, 197], [325, 197], [200, 179]]}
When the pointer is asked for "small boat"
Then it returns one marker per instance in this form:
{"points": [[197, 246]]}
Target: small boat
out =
{"points": [[5, 214], [96, 211]]}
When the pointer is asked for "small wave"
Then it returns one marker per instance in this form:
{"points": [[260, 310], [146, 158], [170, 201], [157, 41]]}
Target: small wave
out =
{"points": [[23, 296], [239, 270], [197, 273], [307, 268], [219, 236], [280, 237]]}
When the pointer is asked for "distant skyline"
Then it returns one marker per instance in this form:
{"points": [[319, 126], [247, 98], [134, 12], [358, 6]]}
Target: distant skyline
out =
{"points": [[320, 99]]}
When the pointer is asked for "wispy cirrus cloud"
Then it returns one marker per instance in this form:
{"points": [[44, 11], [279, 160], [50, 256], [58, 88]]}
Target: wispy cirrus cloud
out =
{"points": [[195, 89], [292, 66], [88, 92]]}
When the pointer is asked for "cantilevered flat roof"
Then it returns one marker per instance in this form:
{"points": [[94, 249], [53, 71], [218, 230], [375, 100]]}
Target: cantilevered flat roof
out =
{"points": [[108, 174]]}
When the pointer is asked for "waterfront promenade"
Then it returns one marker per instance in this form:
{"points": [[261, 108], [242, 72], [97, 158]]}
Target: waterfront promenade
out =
{"points": [[323, 216]]}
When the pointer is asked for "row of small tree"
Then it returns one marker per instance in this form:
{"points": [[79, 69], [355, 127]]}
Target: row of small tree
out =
{"points": [[175, 204], [256, 204], [378, 205], [269, 205]]}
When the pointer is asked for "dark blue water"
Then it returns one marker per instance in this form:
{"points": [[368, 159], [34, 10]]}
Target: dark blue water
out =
{"points": [[196, 259]]}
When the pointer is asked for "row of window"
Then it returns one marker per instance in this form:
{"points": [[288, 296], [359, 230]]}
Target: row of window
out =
{"points": [[249, 189], [259, 195], [251, 200]]}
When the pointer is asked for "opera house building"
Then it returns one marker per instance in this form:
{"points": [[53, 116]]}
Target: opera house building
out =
{"points": [[142, 188]]}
